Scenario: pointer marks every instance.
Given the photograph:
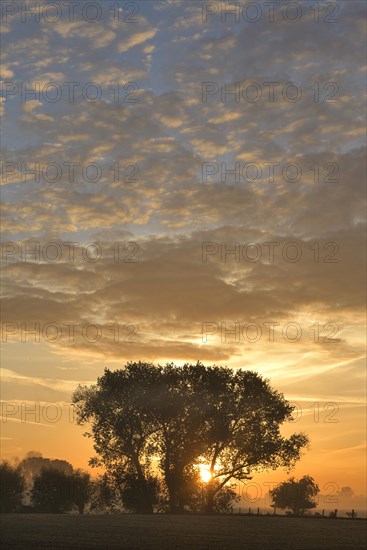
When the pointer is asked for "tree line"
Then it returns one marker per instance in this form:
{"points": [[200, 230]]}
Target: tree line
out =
{"points": [[43, 485]]}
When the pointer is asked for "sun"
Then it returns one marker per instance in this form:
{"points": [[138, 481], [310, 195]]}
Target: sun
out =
{"points": [[205, 474]]}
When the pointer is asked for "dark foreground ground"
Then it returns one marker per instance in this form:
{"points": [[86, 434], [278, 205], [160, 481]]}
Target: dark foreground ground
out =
{"points": [[161, 532]]}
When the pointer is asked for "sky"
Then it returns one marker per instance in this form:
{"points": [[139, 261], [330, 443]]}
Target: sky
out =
{"points": [[185, 184]]}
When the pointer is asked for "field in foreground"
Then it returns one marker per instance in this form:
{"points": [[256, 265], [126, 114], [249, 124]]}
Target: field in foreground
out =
{"points": [[164, 532]]}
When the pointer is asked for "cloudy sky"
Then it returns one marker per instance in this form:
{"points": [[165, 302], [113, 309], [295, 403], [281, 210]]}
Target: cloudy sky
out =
{"points": [[183, 184]]}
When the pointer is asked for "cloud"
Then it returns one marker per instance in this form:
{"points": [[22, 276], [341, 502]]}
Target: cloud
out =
{"points": [[5, 72], [31, 105], [136, 39]]}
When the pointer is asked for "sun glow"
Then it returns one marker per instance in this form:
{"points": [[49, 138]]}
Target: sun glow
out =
{"points": [[205, 474]]}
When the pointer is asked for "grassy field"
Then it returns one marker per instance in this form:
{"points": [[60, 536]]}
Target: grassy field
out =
{"points": [[164, 532]]}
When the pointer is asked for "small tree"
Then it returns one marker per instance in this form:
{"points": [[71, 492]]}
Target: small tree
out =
{"points": [[52, 492], [32, 465], [294, 495], [81, 489], [11, 488]]}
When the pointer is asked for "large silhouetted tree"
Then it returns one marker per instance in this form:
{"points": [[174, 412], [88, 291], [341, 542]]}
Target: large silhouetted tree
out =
{"points": [[243, 416], [11, 488], [122, 425], [297, 496], [176, 406], [180, 416]]}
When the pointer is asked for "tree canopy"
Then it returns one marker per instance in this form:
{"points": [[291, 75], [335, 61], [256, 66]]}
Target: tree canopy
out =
{"points": [[297, 496], [11, 488], [44, 485], [34, 462], [55, 491], [153, 426]]}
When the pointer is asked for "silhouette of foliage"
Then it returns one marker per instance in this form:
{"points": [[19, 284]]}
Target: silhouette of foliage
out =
{"points": [[294, 495], [81, 489], [11, 488], [179, 417], [224, 500], [55, 491], [243, 415], [32, 465], [52, 492], [137, 496], [105, 496]]}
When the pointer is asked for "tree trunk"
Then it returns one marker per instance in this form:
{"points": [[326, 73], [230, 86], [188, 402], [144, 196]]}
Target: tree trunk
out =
{"points": [[146, 507], [174, 486], [176, 503], [210, 499], [181, 505], [173, 503]]}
